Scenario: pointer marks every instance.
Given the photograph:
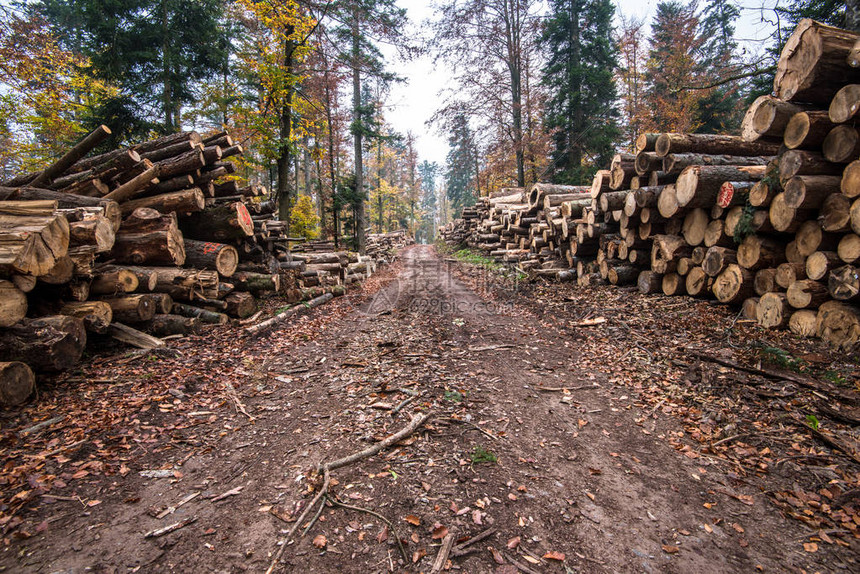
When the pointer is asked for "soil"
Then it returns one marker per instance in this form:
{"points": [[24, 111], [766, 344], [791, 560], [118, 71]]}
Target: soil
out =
{"points": [[579, 426]]}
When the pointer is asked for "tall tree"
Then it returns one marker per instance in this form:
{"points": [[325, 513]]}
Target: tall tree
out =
{"points": [[581, 60], [486, 42], [631, 47], [428, 173], [460, 173], [155, 51], [361, 24], [673, 67], [721, 109]]}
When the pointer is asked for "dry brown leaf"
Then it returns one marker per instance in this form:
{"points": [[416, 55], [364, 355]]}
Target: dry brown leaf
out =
{"points": [[418, 555], [513, 542], [320, 541], [810, 546], [497, 556], [412, 519], [439, 532], [383, 535], [670, 549], [554, 555]]}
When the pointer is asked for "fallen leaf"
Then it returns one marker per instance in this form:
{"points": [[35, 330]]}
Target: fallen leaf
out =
{"points": [[320, 541], [412, 519], [669, 549], [415, 537], [531, 559], [554, 555], [439, 532], [513, 542], [708, 528], [810, 546], [418, 555], [476, 517], [738, 528], [497, 556], [383, 535], [92, 503]]}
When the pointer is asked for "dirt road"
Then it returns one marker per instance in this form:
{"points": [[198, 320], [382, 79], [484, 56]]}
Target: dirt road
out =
{"points": [[547, 430]]}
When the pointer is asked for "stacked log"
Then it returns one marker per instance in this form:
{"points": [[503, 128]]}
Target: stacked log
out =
{"points": [[153, 238], [768, 221]]}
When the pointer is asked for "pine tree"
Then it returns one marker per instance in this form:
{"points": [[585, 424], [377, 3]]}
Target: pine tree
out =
{"points": [[155, 51], [460, 173], [581, 113], [428, 173], [719, 111]]}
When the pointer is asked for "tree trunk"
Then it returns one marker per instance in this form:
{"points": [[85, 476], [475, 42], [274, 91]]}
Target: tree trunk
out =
{"points": [[96, 315], [132, 309], [51, 344], [205, 255], [712, 144], [184, 201], [31, 245], [13, 304], [219, 223], [148, 237]]}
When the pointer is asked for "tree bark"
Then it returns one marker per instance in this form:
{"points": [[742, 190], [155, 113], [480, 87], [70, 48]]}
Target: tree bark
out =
{"points": [[50, 344], [148, 237]]}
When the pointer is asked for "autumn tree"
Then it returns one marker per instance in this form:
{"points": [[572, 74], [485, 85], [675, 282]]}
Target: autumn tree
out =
{"points": [[673, 67], [632, 56], [720, 111], [304, 221], [579, 74], [485, 43]]}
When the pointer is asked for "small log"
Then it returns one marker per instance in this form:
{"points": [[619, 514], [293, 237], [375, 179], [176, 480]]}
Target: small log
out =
{"points": [[749, 309], [789, 273], [164, 325], [694, 226], [810, 191], [204, 315], [767, 116], [759, 252], [288, 314], [78, 151], [114, 281], [835, 213], [17, 383], [132, 308], [133, 337], [699, 186], [134, 186], [150, 237], [765, 281], [241, 305], [851, 180], [842, 144], [649, 282], [820, 263], [734, 285], [718, 259], [673, 284], [183, 201], [845, 104], [216, 256], [849, 248], [255, 282], [807, 130], [219, 223], [698, 283], [713, 144]]}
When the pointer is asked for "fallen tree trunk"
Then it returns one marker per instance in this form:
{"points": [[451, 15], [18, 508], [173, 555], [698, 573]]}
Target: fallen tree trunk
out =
{"points": [[288, 314], [149, 237], [52, 344]]}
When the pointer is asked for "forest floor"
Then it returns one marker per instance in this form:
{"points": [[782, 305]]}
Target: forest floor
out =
{"points": [[575, 430]]}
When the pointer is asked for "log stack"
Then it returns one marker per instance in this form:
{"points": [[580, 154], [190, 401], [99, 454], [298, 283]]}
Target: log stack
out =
{"points": [[154, 239], [768, 221]]}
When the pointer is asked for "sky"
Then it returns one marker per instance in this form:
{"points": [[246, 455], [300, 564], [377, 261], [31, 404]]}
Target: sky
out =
{"points": [[413, 102]]}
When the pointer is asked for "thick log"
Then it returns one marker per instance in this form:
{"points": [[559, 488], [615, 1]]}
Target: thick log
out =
{"points": [[667, 202], [646, 142], [132, 308], [697, 283], [694, 226], [183, 284], [699, 186], [61, 273], [187, 163], [839, 324], [219, 223], [842, 144], [613, 200], [820, 263], [165, 325], [13, 304], [765, 281], [216, 256], [134, 186], [773, 311], [849, 248], [803, 323], [788, 273], [762, 193], [50, 344], [792, 255], [623, 274], [97, 231], [854, 213], [810, 238], [786, 219], [649, 282], [767, 117], [675, 163], [183, 201], [31, 245], [715, 234], [845, 104], [843, 283], [798, 162], [811, 67], [150, 237], [17, 383], [835, 213], [64, 201], [96, 315], [713, 144], [646, 162], [734, 285], [717, 259], [759, 252], [241, 305], [114, 281], [673, 284], [810, 191], [851, 180], [806, 294], [807, 130], [749, 308], [177, 183]]}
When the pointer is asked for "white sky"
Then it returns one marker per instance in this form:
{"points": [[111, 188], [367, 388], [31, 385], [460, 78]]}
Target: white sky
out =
{"points": [[413, 102]]}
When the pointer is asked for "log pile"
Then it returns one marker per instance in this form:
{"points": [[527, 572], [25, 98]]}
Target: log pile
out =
{"points": [[768, 221], [139, 243]]}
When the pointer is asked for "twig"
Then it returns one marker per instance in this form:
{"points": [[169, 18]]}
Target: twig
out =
{"points": [[831, 442], [172, 509], [314, 519], [474, 426], [234, 396], [444, 551], [413, 425], [561, 389], [44, 424], [460, 549], [168, 529], [299, 520], [229, 493], [403, 405], [377, 515], [489, 348], [520, 566], [655, 409]]}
